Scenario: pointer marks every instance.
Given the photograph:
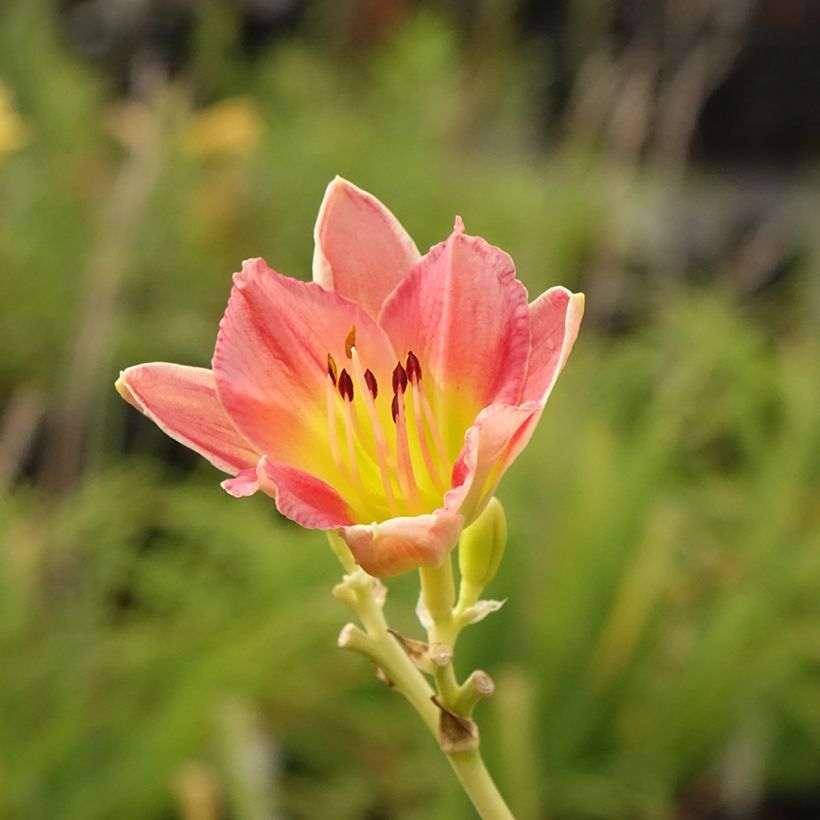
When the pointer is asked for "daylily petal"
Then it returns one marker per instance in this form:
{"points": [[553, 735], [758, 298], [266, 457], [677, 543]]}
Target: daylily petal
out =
{"points": [[501, 432], [304, 498], [243, 484], [486, 456], [465, 316], [555, 317], [270, 361], [401, 544], [182, 402], [362, 251]]}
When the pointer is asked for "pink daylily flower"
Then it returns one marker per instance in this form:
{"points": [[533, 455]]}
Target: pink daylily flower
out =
{"points": [[386, 398]]}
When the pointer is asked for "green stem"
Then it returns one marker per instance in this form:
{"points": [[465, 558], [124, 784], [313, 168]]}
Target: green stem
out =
{"points": [[479, 786], [341, 550], [365, 596], [382, 648], [438, 595], [438, 592], [384, 651]]}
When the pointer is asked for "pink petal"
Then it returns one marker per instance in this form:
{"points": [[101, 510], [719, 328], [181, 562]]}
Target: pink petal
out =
{"points": [[244, 484], [401, 544], [555, 317], [486, 455], [464, 314], [270, 361], [362, 251], [501, 432], [182, 401], [305, 499]]}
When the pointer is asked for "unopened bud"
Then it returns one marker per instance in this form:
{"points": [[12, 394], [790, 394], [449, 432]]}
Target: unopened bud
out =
{"points": [[480, 552]]}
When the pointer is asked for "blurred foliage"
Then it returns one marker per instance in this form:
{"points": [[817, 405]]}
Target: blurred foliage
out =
{"points": [[165, 645]]}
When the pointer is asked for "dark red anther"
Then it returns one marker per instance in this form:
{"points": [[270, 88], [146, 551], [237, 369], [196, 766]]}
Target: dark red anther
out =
{"points": [[331, 369], [399, 379], [413, 368], [350, 341], [370, 381], [345, 385], [394, 408]]}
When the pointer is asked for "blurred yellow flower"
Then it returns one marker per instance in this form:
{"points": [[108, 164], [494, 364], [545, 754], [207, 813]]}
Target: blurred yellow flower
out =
{"points": [[229, 128], [13, 130]]}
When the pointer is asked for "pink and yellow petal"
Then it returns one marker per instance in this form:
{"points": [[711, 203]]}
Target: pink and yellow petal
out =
{"points": [[555, 318], [501, 432], [464, 314], [183, 403], [270, 361], [361, 251], [243, 484], [401, 544], [304, 498], [486, 455]]}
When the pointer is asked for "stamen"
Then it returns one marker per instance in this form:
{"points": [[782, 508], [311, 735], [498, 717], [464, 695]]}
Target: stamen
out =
{"points": [[331, 422], [370, 389], [346, 385], [413, 368], [350, 341], [399, 378], [422, 410], [432, 426], [372, 384], [422, 436], [362, 451], [346, 391], [407, 478]]}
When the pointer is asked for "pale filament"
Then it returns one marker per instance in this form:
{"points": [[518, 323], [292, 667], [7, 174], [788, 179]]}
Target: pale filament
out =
{"points": [[406, 475], [425, 451], [331, 426], [349, 471], [351, 446], [379, 438], [362, 451], [438, 442]]}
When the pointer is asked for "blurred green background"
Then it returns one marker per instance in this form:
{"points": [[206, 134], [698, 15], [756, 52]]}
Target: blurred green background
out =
{"points": [[168, 651]]}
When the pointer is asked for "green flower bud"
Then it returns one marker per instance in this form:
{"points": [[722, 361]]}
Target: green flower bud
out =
{"points": [[480, 552]]}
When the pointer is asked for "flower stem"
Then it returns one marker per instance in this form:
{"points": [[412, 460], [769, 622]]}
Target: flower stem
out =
{"points": [[479, 786], [438, 593], [397, 669], [365, 596]]}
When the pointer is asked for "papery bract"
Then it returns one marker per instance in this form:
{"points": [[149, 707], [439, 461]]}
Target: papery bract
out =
{"points": [[386, 398]]}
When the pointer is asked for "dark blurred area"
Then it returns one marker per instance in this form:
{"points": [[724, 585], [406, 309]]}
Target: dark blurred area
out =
{"points": [[760, 82], [169, 650], [728, 84]]}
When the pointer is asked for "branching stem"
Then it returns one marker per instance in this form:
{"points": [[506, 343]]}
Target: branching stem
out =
{"points": [[450, 706]]}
